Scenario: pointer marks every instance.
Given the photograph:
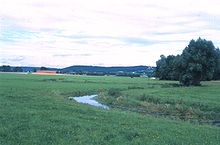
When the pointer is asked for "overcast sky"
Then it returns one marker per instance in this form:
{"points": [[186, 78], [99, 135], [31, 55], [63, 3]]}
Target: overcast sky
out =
{"points": [[60, 33]]}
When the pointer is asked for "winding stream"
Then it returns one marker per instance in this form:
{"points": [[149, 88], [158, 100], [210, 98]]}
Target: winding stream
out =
{"points": [[89, 99]]}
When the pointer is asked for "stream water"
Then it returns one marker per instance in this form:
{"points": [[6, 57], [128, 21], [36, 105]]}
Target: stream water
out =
{"points": [[89, 99]]}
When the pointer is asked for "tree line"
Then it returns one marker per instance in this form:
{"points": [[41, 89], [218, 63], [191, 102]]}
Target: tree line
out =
{"points": [[8, 68], [199, 61]]}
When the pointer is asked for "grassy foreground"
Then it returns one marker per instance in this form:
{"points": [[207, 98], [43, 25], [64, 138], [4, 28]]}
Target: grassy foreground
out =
{"points": [[34, 109]]}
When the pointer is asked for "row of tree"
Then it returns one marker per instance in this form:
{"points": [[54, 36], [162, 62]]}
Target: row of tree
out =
{"points": [[7, 68], [199, 61]]}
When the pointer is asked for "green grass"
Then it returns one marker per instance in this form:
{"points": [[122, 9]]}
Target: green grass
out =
{"points": [[35, 109], [197, 104]]}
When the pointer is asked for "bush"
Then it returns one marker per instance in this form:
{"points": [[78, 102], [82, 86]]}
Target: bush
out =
{"points": [[114, 92], [150, 99]]}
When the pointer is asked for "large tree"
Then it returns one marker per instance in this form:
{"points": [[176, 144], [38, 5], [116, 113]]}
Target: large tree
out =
{"points": [[198, 62]]}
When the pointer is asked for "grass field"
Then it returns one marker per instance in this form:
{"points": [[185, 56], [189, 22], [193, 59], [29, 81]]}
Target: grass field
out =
{"points": [[35, 109]]}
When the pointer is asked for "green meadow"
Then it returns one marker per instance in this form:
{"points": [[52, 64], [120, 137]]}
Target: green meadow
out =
{"points": [[35, 109]]}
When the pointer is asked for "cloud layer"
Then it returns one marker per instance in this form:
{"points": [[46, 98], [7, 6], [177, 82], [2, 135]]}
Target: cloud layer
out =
{"points": [[102, 32]]}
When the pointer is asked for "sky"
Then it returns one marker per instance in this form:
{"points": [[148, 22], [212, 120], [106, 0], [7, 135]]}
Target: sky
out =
{"points": [[61, 33]]}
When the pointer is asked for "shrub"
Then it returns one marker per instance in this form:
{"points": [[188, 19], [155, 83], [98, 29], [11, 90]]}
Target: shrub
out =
{"points": [[114, 92]]}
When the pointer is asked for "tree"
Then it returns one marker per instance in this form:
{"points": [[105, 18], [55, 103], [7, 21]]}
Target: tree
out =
{"points": [[216, 75], [161, 71], [167, 67], [198, 62], [173, 67]]}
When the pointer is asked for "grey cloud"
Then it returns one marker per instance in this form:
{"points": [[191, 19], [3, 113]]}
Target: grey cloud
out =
{"points": [[62, 55], [84, 39], [137, 40], [71, 55], [11, 31], [83, 54], [10, 60], [174, 32]]}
